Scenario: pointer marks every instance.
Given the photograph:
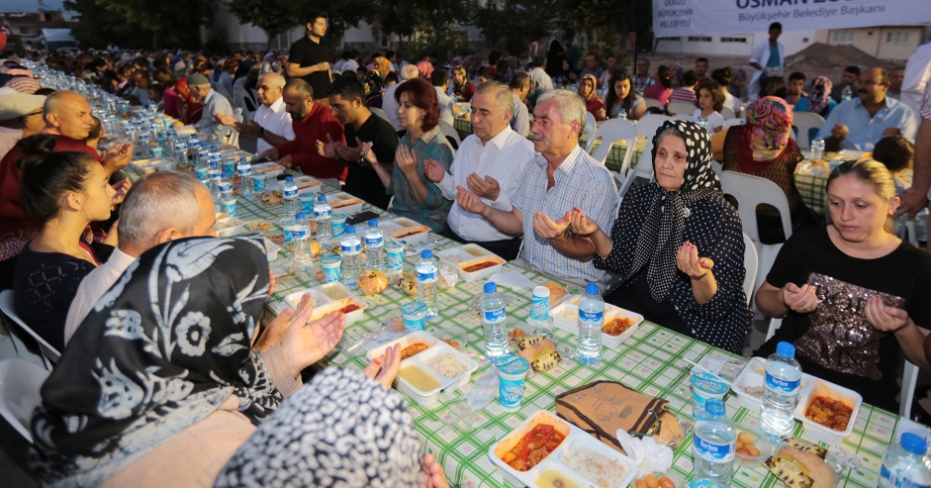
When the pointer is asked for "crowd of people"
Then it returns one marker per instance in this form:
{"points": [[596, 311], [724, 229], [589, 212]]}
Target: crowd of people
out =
{"points": [[165, 370]]}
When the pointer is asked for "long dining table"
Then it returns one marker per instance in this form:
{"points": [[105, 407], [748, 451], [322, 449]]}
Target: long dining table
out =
{"points": [[654, 361]]}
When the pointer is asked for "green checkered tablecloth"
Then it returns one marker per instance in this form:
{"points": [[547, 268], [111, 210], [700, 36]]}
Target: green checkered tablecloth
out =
{"points": [[811, 183], [652, 361]]}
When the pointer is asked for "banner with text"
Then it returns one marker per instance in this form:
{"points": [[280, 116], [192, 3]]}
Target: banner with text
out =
{"points": [[673, 18]]}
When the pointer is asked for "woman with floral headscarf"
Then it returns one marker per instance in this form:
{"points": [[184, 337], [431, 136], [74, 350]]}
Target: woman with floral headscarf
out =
{"points": [[762, 147], [382, 65], [587, 90], [819, 99], [463, 89], [161, 381], [426, 69], [677, 244]]}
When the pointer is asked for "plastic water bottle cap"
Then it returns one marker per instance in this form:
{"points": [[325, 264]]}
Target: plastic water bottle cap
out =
{"points": [[592, 289], [242, 160], [490, 287], [914, 443], [425, 254], [213, 147], [321, 198], [350, 229], [299, 216], [715, 407], [373, 223], [289, 179], [785, 349], [213, 164], [224, 175]]}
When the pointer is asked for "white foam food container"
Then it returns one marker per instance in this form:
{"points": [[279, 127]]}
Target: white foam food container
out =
{"points": [[229, 226], [405, 230], [471, 254], [271, 249], [260, 226], [407, 340], [270, 169], [823, 388], [753, 375], [344, 203], [575, 438], [329, 298], [306, 184], [560, 315]]}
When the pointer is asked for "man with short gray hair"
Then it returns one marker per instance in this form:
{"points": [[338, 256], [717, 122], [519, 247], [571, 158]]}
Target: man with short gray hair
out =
{"points": [[489, 162], [562, 177], [159, 208], [214, 103], [271, 123]]}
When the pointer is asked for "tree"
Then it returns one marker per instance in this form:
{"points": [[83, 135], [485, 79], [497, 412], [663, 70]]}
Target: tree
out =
{"points": [[272, 16], [142, 23]]}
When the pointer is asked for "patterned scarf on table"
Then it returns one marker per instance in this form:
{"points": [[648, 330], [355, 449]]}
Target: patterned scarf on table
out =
{"points": [[664, 226], [167, 344]]}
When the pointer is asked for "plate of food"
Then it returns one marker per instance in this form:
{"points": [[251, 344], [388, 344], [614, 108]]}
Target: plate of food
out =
{"points": [[828, 411], [344, 203], [404, 229], [271, 197], [473, 262]]}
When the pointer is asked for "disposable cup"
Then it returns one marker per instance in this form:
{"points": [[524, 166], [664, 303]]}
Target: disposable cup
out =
{"points": [[512, 373]]}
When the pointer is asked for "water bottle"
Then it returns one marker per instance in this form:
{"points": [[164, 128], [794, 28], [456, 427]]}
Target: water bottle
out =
{"points": [[213, 154], [289, 197], [214, 174], [427, 271], [591, 318], [302, 259], [780, 391], [539, 318], [904, 464], [132, 136], [225, 186], [351, 250], [245, 178], [195, 153], [623, 114], [322, 215], [287, 228], [714, 444], [703, 122], [846, 93], [144, 149], [817, 148], [374, 247], [921, 226], [494, 323]]}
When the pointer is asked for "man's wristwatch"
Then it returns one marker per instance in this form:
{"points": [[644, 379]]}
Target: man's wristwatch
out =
{"points": [[261, 132]]}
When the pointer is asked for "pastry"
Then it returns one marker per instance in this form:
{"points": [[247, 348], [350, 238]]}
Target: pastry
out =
{"points": [[373, 281], [557, 291], [799, 469], [669, 430]]}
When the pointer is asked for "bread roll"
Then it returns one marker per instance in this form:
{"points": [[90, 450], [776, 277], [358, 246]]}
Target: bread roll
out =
{"points": [[373, 281], [557, 291]]}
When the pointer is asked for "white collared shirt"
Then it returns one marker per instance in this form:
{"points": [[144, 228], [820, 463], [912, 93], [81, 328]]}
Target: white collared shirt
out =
{"points": [[275, 119], [92, 287], [503, 158]]}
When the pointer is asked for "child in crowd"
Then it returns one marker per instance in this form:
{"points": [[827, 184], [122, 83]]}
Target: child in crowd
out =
{"points": [[686, 93], [710, 103], [897, 154]]}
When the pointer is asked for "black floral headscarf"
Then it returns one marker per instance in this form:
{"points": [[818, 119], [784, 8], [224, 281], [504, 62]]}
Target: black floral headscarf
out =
{"points": [[164, 347]]}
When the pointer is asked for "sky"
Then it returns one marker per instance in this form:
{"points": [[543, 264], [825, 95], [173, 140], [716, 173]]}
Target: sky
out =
{"points": [[27, 5]]}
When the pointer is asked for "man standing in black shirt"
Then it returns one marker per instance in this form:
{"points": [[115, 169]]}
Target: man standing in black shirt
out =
{"points": [[309, 59], [347, 98]]}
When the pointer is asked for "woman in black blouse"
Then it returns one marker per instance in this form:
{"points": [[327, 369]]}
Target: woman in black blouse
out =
{"points": [[63, 192], [852, 294], [660, 233]]}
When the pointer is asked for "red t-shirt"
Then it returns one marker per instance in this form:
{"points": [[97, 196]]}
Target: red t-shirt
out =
{"points": [[303, 149], [15, 227]]}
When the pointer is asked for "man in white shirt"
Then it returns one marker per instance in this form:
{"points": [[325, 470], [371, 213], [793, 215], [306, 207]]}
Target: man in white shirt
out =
{"points": [[271, 123], [161, 207], [214, 104], [389, 105], [352, 63], [768, 59], [489, 163], [539, 80], [440, 81], [917, 74]]}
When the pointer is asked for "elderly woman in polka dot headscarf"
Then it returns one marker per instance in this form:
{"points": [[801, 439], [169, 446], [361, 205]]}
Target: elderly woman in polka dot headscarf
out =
{"points": [[677, 245]]}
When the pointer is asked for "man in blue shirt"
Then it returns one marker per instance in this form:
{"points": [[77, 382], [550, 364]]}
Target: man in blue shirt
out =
{"points": [[859, 123]]}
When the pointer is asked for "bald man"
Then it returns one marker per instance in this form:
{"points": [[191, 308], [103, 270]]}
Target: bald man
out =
{"points": [[67, 116], [271, 123]]}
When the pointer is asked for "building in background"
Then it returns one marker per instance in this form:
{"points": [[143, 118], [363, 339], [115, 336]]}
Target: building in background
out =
{"points": [[27, 26]]}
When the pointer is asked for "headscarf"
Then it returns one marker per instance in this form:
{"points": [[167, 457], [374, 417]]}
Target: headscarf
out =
{"points": [[23, 84], [166, 346], [770, 121], [426, 69], [342, 429], [677, 78], [382, 65], [594, 92], [820, 94], [372, 83], [664, 226]]}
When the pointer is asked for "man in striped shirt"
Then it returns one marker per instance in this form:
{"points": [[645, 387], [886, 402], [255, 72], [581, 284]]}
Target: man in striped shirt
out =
{"points": [[561, 177]]}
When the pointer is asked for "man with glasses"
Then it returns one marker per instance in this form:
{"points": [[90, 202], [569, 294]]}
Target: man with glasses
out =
{"points": [[20, 116]]}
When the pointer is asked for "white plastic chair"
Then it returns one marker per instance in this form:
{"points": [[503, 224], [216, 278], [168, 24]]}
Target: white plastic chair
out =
{"points": [[803, 121], [49, 354], [611, 131], [909, 378], [728, 123], [589, 129], [728, 113], [676, 108], [751, 263], [751, 191], [450, 131], [654, 103], [381, 113], [647, 127], [20, 381], [717, 167], [685, 117]]}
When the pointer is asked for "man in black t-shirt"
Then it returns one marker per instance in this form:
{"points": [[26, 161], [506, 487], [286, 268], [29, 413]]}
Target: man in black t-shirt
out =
{"points": [[346, 97], [309, 59]]}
